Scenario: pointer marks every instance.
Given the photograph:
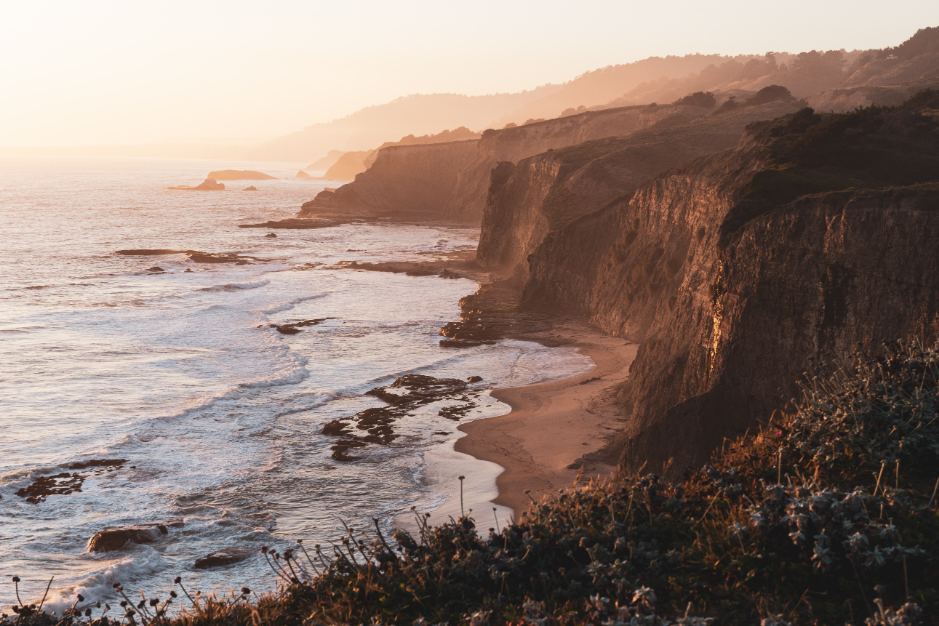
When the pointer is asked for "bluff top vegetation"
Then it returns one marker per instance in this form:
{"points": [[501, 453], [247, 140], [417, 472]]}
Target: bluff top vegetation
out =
{"points": [[827, 515]]}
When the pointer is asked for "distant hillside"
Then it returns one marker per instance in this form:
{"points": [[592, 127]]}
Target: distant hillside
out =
{"points": [[834, 80], [430, 114], [375, 125]]}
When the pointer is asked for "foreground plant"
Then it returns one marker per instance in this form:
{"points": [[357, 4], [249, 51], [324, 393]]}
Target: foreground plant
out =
{"points": [[826, 516]]}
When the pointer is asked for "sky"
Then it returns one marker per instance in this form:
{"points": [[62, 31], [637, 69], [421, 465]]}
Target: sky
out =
{"points": [[128, 72]]}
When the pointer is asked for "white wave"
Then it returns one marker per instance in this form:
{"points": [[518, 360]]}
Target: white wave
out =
{"points": [[236, 286]]}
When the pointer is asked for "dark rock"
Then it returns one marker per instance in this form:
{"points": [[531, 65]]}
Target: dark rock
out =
{"points": [[221, 558], [270, 236], [156, 269], [65, 483], [112, 539], [57, 484], [97, 463], [292, 328], [250, 188], [403, 396], [474, 379]]}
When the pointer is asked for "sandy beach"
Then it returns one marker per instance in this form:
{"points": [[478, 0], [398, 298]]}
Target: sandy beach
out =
{"points": [[557, 431], [551, 435]]}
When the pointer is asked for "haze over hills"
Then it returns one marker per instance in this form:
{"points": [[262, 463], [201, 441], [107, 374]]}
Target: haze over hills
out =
{"points": [[834, 80]]}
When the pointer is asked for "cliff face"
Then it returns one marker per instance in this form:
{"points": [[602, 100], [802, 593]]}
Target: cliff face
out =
{"points": [[547, 192], [405, 182], [347, 165], [817, 236], [449, 181]]}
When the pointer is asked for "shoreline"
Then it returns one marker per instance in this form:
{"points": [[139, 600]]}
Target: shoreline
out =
{"points": [[548, 440], [556, 432]]}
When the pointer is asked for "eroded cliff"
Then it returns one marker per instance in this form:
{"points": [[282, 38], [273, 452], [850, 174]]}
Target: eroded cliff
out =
{"points": [[815, 237], [544, 193], [449, 182]]}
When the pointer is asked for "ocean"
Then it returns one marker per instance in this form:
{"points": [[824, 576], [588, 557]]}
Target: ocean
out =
{"points": [[179, 373]]}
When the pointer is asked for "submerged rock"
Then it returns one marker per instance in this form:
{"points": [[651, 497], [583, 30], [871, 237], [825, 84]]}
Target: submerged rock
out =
{"points": [[292, 328], [403, 396], [57, 484], [65, 483], [112, 539], [221, 558]]}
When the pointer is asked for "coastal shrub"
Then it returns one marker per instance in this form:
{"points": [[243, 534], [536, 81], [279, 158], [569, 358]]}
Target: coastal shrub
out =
{"points": [[828, 515]]}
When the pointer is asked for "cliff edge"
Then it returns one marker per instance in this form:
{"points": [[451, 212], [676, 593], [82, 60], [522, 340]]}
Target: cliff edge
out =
{"points": [[816, 237]]}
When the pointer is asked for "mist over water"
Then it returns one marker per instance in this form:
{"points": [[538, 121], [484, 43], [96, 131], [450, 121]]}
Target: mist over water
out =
{"points": [[180, 373]]}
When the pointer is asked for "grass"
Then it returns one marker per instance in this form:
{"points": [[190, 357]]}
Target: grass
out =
{"points": [[827, 515]]}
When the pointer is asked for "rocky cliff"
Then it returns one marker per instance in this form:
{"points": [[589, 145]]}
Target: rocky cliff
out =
{"points": [[405, 183], [544, 193], [816, 236], [449, 181]]}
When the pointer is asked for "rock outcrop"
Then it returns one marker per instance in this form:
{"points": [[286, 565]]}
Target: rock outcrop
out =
{"points": [[112, 539], [222, 558], [448, 182], [209, 184], [815, 237]]}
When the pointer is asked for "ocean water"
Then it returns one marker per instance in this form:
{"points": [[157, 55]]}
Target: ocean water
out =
{"points": [[217, 414]]}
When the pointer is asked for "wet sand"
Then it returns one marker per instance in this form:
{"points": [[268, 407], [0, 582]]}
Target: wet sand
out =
{"points": [[557, 431]]}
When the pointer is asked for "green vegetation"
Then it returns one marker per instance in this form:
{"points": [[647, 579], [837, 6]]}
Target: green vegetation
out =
{"points": [[870, 148], [826, 516]]}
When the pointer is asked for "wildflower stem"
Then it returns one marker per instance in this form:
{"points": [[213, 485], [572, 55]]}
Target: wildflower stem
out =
{"points": [[44, 595]]}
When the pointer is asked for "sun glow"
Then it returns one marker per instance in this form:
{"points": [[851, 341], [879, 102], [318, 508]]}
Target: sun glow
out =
{"points": [[105, 72]]}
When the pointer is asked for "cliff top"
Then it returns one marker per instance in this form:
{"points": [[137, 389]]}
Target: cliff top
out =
{"points": [[807, 152]]}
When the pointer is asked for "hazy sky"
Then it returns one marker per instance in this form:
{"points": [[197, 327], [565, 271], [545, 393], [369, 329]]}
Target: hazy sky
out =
{"points": [[127, 72]]}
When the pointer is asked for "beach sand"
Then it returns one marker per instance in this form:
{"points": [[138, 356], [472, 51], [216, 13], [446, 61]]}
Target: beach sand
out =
{"points": [[557, 431]]}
